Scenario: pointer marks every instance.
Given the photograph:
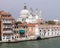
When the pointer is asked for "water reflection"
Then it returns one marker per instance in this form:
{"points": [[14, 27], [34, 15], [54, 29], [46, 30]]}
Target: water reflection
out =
{"points": [[47, 43]]}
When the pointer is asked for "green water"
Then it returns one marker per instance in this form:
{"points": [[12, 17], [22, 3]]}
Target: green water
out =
{"points": [[46, 43]]}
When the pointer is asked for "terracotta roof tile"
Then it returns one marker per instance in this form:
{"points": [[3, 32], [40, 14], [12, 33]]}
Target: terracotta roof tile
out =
{"points": [[29, 25]]}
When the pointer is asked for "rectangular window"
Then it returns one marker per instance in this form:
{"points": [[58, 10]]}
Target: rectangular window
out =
{"points": [[40, 30], [17, 36]]}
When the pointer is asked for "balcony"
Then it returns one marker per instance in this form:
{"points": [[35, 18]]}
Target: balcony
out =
{"points": [[7, 26], [7, 31], [7, 22]]}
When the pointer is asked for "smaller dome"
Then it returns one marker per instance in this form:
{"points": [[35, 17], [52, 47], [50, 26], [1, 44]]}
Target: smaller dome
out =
{"points": [[24, 13]]}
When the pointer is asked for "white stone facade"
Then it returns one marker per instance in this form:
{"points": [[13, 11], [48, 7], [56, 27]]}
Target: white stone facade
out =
{"points": [[49, 31], [28, 16]]}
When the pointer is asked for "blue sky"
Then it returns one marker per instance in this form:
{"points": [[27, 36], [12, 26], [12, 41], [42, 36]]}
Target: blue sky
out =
{"points": [[50, 8]]}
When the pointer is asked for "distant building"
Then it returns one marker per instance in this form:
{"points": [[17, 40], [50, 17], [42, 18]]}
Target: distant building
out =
{"points": [[56, 21], [6, 26], [30, 16]]}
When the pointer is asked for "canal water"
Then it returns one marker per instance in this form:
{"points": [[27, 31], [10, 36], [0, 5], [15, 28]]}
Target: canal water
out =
{"points": [[46, 43]]}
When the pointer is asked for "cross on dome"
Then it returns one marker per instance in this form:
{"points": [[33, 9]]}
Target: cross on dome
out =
{"points": [[25, 7]]}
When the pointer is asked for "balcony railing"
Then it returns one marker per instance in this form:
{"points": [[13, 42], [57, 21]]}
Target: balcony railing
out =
{"points": [[7, 26], [7, 31], [7, 22]]}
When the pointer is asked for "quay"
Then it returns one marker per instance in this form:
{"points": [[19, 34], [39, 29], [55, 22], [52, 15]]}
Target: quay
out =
{"points": [[19, 40]]}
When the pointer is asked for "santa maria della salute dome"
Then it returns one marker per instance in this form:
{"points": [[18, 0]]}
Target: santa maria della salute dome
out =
{"points": [[24, 13], [29, 16]]}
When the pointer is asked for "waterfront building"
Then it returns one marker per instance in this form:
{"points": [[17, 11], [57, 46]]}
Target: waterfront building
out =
{"points": [[37, 30], [26, 30], [30, 16], [46, 31], [6, 26], [29, 26]]}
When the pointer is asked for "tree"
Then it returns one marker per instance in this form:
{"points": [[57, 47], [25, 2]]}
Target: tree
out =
{"points": [[18, 23], [50, 22]]}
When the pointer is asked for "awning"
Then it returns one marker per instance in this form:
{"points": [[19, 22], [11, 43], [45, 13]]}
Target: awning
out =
{"points": [[21, 31]]}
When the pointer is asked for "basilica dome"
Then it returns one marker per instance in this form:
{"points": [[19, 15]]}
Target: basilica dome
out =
{"points": [[24, 12]]}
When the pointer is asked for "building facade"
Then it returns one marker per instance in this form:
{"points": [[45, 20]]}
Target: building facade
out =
{"points": [[30, 16], [6, 26], [46, 31], [26, 30]]}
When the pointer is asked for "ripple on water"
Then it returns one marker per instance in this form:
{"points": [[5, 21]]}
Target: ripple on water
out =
{"points": [[46, 43]]}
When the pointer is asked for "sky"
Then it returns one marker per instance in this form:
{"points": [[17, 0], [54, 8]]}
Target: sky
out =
{"points": [[50, 8]]}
